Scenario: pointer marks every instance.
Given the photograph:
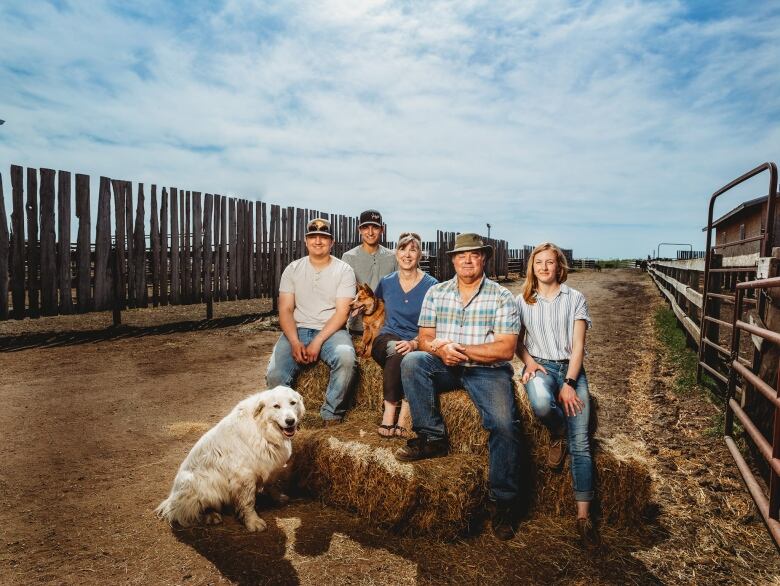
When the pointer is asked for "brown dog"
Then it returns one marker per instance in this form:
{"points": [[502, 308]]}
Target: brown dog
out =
{"points": [[373, 310]]}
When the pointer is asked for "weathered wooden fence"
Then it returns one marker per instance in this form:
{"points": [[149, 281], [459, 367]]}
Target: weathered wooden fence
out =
{"points": [[200, 247]]}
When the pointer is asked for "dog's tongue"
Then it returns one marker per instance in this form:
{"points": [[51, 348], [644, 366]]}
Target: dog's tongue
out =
{"points": [[356, 311]]}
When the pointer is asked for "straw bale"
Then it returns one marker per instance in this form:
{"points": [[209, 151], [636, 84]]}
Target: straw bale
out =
{"points": [[312, 381], [623, 481], [351, 467]]}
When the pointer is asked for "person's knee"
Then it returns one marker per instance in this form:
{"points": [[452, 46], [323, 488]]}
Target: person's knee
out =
{"points": [[412, 361], [344, 357], [541, 401]]}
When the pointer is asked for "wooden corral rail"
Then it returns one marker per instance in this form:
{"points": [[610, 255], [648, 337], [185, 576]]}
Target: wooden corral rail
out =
{"points": [[681, 282], [200, 247]]}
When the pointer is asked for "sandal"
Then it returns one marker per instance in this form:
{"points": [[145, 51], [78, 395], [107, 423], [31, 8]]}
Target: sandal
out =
{"points": [[402, 432], [389, 428]]}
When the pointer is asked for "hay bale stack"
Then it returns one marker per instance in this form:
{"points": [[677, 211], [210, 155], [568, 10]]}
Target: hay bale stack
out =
{"points": [[349, 466], [313, 379], [623, 483], [357, 470]]}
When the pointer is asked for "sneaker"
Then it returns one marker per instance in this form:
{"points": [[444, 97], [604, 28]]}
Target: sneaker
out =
{"points": [[503, 521], [556, 454], [421, 448], [331, 422], [589, 535]]}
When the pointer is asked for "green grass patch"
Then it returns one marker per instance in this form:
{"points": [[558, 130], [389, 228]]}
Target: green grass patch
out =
{"points": [[686, 361], [683, 357]]}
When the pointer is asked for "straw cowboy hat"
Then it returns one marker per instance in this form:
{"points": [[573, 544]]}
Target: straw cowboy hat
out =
{"points": [[471, 241]]}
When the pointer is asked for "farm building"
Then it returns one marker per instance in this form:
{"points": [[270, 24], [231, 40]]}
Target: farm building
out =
{"points": [[747, 221]]}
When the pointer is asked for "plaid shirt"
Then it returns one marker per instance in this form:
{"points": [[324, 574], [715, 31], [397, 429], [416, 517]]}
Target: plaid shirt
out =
{"points": [[492, 310]]}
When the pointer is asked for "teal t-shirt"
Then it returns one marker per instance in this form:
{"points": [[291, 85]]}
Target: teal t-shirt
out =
{"points": [[402, 310]]}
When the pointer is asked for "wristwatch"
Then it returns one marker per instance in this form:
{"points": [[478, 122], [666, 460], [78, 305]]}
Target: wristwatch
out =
{"points": [[571, 382]]}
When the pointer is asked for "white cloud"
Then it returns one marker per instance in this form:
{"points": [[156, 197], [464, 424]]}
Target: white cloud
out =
{"points": [[604, 126]]}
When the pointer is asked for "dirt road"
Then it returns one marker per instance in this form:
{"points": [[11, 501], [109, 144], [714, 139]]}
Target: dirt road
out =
{"points": [[95, 422]]}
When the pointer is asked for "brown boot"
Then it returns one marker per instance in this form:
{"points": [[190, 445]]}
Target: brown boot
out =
{"points": [[556, 454], [589, 535]]}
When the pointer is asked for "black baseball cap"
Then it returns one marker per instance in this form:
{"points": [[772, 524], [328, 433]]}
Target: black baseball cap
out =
{"points": [[370, 217]]}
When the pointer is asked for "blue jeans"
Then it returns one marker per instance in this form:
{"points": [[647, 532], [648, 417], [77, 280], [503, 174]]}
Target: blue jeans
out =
{"points": [[337, 352], [542, 391], [491, 390]]}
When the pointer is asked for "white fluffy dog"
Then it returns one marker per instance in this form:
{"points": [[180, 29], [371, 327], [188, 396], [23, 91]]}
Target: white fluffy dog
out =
{"points": [[234, 460]]}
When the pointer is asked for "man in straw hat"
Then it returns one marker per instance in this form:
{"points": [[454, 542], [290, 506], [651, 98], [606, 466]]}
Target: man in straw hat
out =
{"points": [[314, 296], [468, 332]]}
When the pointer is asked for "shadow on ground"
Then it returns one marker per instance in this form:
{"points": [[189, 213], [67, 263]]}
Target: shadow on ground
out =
{"points": [[75, 338], [545, 551]]}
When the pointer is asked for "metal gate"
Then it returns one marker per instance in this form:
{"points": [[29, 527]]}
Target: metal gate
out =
{"points": [[713, 357], [769, 507]]}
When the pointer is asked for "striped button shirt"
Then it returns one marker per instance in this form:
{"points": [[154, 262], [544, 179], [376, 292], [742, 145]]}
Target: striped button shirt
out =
{"points": [[549, 324], [492, 310]]}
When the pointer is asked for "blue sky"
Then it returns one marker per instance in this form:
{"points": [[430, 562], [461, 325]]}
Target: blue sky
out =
{"points": [[602, 126]]}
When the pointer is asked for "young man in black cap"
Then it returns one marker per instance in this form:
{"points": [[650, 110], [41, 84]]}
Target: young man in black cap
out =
{"points": [[370, 260], [314, 296]]}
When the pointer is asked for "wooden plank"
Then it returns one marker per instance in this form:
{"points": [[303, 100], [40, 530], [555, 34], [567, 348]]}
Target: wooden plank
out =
{"points": [[186, 249], [282, 243], [223, 259], [215, 257], [83, 265], [208, 262], [5, 248], [132, 301], [103, 246], [65, 280], [197, 247], [258, 259], [686, 321], [154, 237], [48, 245], [277, 252], [250, 248], [118, 266], [232, 289], [175, 256], [17, 242], [242, 242], [141, 294], [33, 246], [691, 294], [164, 248], [241, 252]]}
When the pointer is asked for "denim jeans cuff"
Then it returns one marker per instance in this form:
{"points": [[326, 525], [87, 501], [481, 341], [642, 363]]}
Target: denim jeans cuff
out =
{"points": [[584, 496]]}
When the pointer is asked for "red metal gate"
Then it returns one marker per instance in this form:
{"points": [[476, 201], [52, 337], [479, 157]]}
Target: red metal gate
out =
{"points": [[769, 507]]}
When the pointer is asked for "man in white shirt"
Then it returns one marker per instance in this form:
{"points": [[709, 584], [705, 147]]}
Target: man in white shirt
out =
{"points": [[370, 260], [314, 296]]}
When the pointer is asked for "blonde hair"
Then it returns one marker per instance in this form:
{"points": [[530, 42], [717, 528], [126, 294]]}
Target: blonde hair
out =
{"points": [[407, 237], [531, 282]]}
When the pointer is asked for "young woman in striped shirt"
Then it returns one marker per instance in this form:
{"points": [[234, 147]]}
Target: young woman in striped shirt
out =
{"points": [[554, 318]]}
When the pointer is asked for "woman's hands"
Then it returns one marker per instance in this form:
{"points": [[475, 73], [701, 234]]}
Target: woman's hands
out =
{"points": [[531, 369], [571, 403], [403, 347]]}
